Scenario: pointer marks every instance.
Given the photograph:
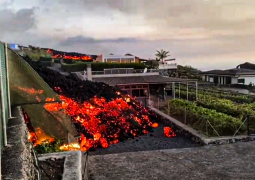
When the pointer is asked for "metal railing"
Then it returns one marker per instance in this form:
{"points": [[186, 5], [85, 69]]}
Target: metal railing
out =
{"points": [[124, 71], [5, 113]]}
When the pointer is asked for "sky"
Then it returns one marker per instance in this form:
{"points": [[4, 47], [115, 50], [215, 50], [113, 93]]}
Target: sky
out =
{"points": [[206, 34]]}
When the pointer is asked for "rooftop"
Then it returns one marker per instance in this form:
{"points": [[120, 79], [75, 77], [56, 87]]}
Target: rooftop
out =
{"points": [[235, 71], [150, 79]]}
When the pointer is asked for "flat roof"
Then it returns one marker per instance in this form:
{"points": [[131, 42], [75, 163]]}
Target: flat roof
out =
{"points": [[151, 79], [231, 72]]}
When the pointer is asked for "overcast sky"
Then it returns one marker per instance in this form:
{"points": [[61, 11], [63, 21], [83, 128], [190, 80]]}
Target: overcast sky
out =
{"points": [[206, 34]]}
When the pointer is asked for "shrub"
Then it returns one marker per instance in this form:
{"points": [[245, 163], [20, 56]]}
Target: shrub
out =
{"points": [[56, 61], [80, 66], [69, 61], [45, 59]]}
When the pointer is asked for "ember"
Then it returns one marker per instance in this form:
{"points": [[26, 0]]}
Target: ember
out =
{"points": [[101, 114], [168, 132]]}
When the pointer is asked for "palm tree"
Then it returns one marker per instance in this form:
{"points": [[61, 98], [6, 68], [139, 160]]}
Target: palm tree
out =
{"points": [[161, 55]]}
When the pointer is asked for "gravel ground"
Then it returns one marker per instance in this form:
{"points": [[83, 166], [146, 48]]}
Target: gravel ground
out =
{"points": [[152, 141], [53, 167]]}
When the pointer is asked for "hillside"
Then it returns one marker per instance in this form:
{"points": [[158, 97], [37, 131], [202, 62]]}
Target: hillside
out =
{"points": [[36, 52], [186, 72]]}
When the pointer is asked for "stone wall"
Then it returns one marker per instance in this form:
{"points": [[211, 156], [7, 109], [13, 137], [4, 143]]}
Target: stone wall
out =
{"points": [[18, 162]]}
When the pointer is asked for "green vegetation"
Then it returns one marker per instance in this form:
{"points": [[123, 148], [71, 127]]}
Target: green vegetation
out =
{"points": [[36, 53], [48, 147], [96, 66], [186, 72], [198, 116], [225, 112], [238, 98]]}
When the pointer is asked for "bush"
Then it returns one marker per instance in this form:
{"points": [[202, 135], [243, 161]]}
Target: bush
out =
{"points": [[69, 61], [45, 59], [73, 67], [56, 61], [80, 66], [45, 63]]}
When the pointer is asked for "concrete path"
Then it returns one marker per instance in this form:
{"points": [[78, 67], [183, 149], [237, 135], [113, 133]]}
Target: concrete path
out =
{"points": [[227, 162]]}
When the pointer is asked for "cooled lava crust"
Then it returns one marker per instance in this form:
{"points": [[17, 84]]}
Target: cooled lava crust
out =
{"points": [[128, 126]]}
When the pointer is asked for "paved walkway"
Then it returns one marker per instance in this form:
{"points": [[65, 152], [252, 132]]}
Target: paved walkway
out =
{"points": [[227, 162]]}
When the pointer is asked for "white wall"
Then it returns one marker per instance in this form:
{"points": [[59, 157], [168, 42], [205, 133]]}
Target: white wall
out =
{"points": [[211, 79], [234, 80], [248, 79]]}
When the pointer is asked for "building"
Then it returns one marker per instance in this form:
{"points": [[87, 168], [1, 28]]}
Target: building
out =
{"points": [[230, 76], [128, 58], [141, 84]]}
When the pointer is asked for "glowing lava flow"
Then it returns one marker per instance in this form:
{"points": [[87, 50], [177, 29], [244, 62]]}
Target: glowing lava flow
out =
{"points": [[79, 57], [105, 122]]}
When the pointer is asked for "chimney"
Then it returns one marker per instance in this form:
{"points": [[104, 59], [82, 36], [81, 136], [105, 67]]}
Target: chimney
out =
{"points": [[89, 72]]}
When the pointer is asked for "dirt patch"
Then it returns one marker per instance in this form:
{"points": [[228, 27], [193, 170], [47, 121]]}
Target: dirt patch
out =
{"points": [[52, 169]]}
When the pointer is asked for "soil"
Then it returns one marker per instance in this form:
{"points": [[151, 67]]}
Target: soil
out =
{"points": [[52, 169]]}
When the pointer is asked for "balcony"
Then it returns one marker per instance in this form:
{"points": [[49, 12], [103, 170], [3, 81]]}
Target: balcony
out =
{"points": [[120, 72], [124, 72]]}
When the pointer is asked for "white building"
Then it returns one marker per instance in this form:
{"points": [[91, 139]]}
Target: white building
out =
{"points": [[168, 64], [230, 76], [118, 59]]}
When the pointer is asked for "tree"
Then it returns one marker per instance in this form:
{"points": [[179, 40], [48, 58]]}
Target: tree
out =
{"points": [[161, 55], [152, 64]]}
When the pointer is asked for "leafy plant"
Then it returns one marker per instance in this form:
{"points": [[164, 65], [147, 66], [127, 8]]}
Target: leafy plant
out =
{"points": [[48, 147], [198, 116]]}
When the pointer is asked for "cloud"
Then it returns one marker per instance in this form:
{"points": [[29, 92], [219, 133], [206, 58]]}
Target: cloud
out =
{"points": [[196, 32], [16, 22], [80, 40]]}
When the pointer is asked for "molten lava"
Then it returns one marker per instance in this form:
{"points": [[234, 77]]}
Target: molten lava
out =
{"points": [[168, 132], [102, 123], [80, 57]]}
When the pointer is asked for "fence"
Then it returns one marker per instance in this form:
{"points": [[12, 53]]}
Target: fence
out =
{"points": [[123, 71], [209, 126]]}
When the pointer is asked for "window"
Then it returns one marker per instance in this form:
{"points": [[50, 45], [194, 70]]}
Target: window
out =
{"points": [[241, 81], [142, 94], [136, 92]]}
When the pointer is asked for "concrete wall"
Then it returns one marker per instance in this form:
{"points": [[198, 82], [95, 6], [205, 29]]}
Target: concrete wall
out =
{"points": [[234, 80], [99, 58], [17, 159], [247, 79]]}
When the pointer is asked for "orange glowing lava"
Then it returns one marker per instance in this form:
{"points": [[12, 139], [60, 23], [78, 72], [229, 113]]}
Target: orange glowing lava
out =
{"points": [[102, 123], [81, 57], [168, 132]]}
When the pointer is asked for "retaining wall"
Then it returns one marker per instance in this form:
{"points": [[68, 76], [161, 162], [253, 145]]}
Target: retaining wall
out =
{"points": [[17, 158]]}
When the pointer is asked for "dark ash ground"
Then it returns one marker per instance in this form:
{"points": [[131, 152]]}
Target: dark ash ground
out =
{"points": [[152, 141]]}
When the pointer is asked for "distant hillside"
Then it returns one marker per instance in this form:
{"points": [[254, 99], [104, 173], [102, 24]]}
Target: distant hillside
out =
{"points": [[36, 52], [186, 72]]}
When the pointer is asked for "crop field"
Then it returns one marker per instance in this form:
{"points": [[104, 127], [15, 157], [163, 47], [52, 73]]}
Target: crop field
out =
{"points": [[215, 113]]}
